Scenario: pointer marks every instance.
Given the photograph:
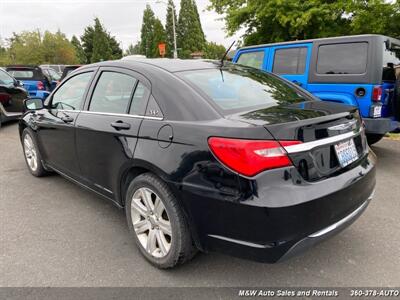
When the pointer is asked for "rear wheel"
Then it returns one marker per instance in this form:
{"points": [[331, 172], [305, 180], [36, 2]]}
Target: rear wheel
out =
{"points": [[373, 138], [157, 222], [32, 155]]}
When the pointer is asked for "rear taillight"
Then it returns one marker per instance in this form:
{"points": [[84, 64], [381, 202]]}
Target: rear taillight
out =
{"points": [[40, 85], [4, 98], [250, 157], [377, 93]]}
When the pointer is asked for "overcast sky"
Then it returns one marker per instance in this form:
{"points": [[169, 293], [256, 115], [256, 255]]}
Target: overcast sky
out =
{"points": [[122, 17]]}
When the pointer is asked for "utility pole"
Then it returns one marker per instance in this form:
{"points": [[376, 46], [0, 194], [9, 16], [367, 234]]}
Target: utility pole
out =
{"points": [[173, 25]]}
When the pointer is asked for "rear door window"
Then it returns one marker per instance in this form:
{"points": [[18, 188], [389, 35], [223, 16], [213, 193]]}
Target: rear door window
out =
{"points": [[348, 58], [290, 60], [139, 100], [252, 59], [112, 93]]}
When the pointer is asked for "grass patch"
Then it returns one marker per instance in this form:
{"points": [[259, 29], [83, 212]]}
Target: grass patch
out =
{"points": [[393, 136]]}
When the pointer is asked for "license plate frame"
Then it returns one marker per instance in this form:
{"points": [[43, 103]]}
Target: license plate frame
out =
{"points": [[377, 111], [346, 152]]}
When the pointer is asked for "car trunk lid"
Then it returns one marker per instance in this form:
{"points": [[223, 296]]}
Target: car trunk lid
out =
{"points": [[331, 134]]}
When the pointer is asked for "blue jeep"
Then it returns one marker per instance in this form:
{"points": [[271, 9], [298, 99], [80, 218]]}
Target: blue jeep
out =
{"points": [[34, 80], [353, 70]]}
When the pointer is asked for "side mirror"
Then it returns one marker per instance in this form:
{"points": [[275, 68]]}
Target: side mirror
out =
{"points": [[33, 103]]}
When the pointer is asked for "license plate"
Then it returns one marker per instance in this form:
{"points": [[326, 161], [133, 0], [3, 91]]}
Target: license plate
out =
{"points": [[377, 111], [346, 152]]}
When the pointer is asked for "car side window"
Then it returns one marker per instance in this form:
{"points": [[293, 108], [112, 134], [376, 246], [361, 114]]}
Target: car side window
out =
{"points": [[349, 58], [112, 93], [290, 61], [70, 94], [252, 59], [139, 100]]}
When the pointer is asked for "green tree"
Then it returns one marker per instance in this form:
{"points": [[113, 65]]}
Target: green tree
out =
{"points": [[80, 53], [26, 48], [116, 51], [101, 45], [169, 31], [4, 55], [33, 47], [214, 51], [147, 31], [158, 37], [375, 16], [87, 42], [190, 33], [57, 49], [276, 20], [107, 46]]}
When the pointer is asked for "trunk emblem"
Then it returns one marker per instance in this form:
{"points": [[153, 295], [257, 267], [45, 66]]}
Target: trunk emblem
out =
{"points": [[345, 126]]}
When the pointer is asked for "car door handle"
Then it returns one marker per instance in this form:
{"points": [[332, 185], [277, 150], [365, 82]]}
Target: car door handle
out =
{"points": [[297, 82], [119, 125], [67, 119]]}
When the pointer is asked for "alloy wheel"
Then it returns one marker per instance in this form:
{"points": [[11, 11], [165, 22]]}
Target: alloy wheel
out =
{"points": [[151, 223], [30, 153]]}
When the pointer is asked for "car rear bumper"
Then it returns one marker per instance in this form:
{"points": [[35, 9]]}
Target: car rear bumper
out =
{"points": [[8, 116], [380, 125], [282, 217], [326, 232]]}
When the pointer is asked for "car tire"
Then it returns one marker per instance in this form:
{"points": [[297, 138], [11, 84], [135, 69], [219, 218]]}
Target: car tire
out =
{"points": [[150, 206], [32, 155], [374, 138]]}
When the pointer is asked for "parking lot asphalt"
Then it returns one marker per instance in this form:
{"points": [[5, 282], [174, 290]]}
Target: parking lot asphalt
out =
{"points": [[54, 233]]}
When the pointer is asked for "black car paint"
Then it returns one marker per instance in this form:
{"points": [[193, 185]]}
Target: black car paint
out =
{"points": [[260, 217], [13, 107]]}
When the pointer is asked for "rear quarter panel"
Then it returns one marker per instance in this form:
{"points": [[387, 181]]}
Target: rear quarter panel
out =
{"points": [[344, 93]]}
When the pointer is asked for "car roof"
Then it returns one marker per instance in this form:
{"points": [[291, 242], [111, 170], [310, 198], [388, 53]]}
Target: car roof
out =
{"points": [[72, 66], [321, 39], [174, 96], [168, 64], [22, 67]]}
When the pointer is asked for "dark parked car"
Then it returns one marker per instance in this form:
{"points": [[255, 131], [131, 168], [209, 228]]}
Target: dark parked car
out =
{"points": [[68, 70], [203, 156], [34, 80], [12, 97]]}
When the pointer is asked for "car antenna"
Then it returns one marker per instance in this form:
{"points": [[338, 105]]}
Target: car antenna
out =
{"points": [[226, 53]]}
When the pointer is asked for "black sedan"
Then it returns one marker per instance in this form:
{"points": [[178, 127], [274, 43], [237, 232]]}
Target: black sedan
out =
{"points": [[12, 96], [204, 156]]}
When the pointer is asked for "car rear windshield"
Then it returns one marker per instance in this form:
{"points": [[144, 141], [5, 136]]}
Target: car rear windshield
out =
{"points": [[236, 89], [21, 73], [5, 78]]}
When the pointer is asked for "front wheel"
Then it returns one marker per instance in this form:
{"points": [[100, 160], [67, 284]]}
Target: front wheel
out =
{"points": [[32, 155], [373, 138], [157, 222]]}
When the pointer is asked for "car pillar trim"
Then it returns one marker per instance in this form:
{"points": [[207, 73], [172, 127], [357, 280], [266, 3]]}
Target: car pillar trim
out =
{"points": [[112, 114]]}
